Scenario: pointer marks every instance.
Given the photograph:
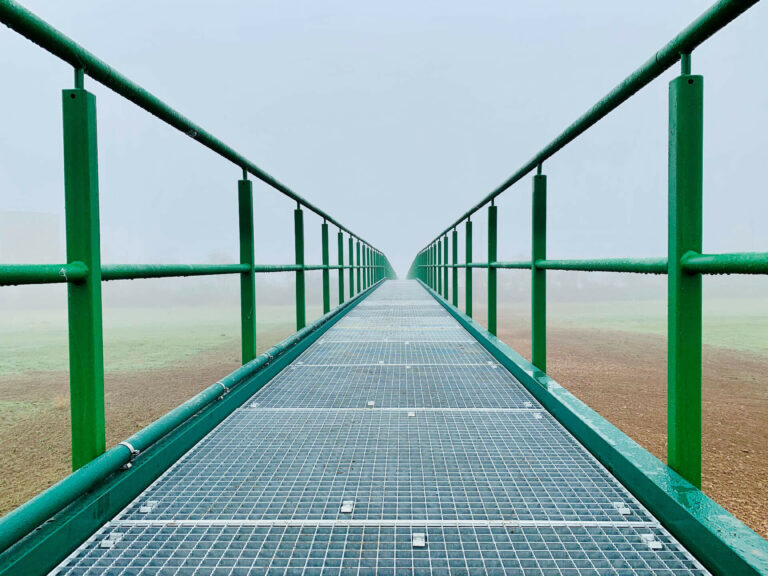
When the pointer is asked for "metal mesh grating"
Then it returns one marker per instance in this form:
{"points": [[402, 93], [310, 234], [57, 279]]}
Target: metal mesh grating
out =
{"points": [[395, 387], [453, 448], [382, 550]]}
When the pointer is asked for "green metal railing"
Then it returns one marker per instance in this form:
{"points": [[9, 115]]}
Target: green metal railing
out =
{"points": [[83, 272], [684, 264]]}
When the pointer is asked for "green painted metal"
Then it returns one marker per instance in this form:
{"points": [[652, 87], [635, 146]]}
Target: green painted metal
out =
{"points": [[86, 360], [340, 260], [18, 274], [539, 275], [711, 20], [445, 267], [358, 267], [468, 273], [301, 305], [723, 543], [740, 263], [49, 38], [455, 271], [40, 533], [684, 294], [351, 268], [439, 263], [248, 277], [326, 272], [492, 239], [631, 265]]}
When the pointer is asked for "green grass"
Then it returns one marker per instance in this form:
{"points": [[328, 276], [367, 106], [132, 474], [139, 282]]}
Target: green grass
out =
{"points": [[135, 338]]}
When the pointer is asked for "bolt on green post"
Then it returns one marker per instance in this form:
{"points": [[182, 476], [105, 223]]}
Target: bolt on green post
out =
{"points": [[301, 306], [247, 279], [326, 271], [491, 270], [539, 275], [684, 298], [468, 270], [86, 356], [341, 264]]}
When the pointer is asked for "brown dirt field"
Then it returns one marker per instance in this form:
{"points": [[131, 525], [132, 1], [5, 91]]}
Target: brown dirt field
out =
{"points": [[620, 374]]}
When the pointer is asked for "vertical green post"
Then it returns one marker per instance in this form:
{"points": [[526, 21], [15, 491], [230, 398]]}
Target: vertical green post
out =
{"points": [[439, 261], [432, 266], [341, 263], [684, 299], [359, 286], [468, 270], [455, 278], [491, 270], [247, 279], [368, 264], [364, 266], [301, 307], [86, 353], [351, 268], [445, 267], [539, 275], [326, 272]]}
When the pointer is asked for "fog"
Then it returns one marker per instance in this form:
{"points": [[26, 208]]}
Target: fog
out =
{"points": [[393, 117]]}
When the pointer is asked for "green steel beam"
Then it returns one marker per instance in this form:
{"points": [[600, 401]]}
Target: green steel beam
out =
{"points": [[248, 277], [301, 306], [49, 38], [359, 273], [719, 540], [439, 263], [86, 347], [468, 274], [455, 277], [445, 267], [737, 263], [18, 274], [492, 238], [684, 293], [539, 275], [326, 271], [631, 265], [717, 16], [351, 268], [340, 260]]}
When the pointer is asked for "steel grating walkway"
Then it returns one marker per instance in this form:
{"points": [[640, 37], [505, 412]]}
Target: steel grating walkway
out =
{"points": [[395, 426]]}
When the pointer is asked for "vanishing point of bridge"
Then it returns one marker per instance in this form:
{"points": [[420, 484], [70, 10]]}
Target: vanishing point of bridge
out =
{"points": [[394, 444]]}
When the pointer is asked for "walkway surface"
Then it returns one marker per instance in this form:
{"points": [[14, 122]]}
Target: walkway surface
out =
{"points": [[394, 444]]}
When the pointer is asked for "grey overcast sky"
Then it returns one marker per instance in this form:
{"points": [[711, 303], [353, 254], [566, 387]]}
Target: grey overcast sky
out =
{"points": [[393, 116]]}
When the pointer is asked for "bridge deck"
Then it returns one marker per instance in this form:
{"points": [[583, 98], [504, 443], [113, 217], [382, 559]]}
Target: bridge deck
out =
{"points": [[400, 412]]}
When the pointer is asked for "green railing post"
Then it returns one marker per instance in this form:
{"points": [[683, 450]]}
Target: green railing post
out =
{"points": [[351, 268], [301, 307], [359, 286], [368, 254], [491, 270], [439, 261], [445, 267], [684, 300], [539, 275], [455, 247], [341, 263], [86, 352], [468, 270], [432, 267], [247, 279], [326, 272]]}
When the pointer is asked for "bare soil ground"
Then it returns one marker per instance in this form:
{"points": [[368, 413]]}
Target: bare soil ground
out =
{"points": [[622, 375]]}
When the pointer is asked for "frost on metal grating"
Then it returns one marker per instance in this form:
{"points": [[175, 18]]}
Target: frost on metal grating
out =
{"points": [[438, 465], [383, 551], [394, 387], [352, 353]]}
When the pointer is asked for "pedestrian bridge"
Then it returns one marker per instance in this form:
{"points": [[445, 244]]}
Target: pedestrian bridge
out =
{"points": [[393, 435], [395, 443]]}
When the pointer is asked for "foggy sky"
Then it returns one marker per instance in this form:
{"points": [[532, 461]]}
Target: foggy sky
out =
{"points": [[394, 117]]}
